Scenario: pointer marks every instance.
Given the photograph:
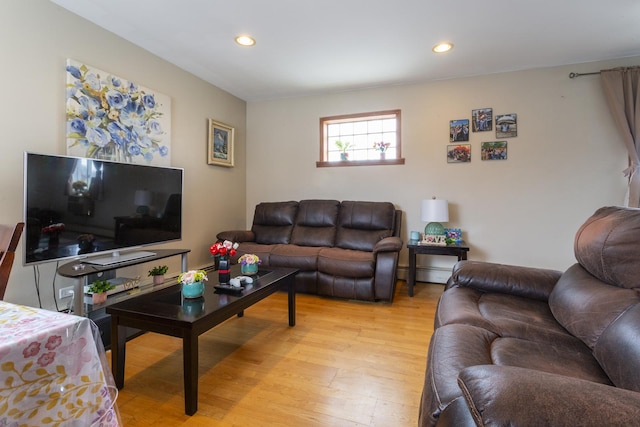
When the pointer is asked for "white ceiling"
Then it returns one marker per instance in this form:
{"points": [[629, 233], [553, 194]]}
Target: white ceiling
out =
{"points": [[307, 47]]}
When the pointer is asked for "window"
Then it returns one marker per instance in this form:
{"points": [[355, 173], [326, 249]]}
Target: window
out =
{"points": [[360, 139]]}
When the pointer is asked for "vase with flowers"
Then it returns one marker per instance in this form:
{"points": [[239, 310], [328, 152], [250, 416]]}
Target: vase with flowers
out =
{"points": [[382, 147], [192, 282], [224, 250], [249, 264]]}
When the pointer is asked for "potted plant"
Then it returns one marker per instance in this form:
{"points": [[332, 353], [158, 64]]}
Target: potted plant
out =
{"points": [[249, 264], [158, 274], [99, 290], [343, 146], [192, 282]]}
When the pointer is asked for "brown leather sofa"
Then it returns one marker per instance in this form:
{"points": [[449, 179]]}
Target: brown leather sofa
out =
{"points": [[343, 249], [521, 346]]}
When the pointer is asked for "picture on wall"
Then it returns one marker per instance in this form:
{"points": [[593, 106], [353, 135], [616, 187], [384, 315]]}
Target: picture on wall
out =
{"points": [[220, 146], [458, 130], [506, 125], [482, 120], [110, 118], [460, 153], [496, 150]]}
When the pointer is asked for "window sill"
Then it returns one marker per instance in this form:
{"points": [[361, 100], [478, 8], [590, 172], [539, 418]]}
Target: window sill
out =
{"points": [[378, 162]]}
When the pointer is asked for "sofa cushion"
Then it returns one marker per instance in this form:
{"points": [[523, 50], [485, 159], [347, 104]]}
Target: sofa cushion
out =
{"points": [[273, 222], [586, 306], [346, 263], [304, 258], [606, 245], [502, 314], [362, 224], [316, 223]]}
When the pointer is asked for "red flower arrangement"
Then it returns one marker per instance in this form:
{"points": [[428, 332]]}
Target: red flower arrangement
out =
{"points": [[223, 249]]}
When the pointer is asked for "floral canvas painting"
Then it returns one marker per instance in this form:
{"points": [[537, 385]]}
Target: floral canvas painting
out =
{"points": [[111, 118]]}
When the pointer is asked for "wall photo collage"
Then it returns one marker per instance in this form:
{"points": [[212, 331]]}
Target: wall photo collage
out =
{"points": [[482, 120]]}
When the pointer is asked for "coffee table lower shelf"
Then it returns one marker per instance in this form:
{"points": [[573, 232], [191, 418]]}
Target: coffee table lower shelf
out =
{"points": [[156, 312]]}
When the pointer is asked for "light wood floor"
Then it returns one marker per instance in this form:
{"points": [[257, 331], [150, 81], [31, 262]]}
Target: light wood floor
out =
{"points": [[345, 363]]}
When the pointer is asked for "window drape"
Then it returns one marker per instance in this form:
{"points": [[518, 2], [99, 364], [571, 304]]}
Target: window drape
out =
{"points": [[621, 91]]}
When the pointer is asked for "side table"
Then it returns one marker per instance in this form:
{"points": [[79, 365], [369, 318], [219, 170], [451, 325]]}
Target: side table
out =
{"points": [[457, 249]]}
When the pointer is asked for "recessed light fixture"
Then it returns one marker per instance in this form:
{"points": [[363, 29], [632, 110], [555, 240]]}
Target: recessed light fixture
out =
{"points": [[443, 47], [245, 40]]}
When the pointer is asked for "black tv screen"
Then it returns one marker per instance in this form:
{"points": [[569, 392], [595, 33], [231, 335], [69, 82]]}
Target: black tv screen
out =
{"points": [[78, 207]]}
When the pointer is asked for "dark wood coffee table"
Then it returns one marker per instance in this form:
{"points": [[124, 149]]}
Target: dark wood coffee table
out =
{"points": [[166, 312]]}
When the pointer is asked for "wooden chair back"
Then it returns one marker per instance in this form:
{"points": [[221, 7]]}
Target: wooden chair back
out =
{"points": [[9, 237]]}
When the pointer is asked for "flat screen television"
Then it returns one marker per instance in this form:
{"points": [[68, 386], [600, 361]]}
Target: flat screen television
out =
{"points": [[77, 207]]}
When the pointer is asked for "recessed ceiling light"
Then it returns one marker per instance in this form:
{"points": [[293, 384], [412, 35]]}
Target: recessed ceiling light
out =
{"points": [[245, 40], [443, 47]]}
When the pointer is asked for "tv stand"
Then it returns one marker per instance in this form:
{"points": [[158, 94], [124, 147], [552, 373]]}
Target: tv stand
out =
{"points": [[81, 270], [116, 257]]}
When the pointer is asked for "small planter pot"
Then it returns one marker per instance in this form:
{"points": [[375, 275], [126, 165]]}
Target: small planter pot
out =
{"points": [[249, 269], [100, 298], [159, 279], [193, 290]]}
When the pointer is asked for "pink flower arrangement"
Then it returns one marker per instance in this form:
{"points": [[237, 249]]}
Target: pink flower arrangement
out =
{"points": [[381, 146], [247, 259]]}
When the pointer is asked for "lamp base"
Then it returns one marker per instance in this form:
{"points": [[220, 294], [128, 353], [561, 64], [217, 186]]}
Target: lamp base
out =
{"points": [[434, 229]]}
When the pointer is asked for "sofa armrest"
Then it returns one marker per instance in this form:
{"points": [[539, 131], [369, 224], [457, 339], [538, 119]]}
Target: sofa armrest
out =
{"points": [[504, 395], [237, 236], [535, 283], [388, 244]]}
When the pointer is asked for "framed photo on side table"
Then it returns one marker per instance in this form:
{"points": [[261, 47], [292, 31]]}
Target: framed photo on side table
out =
{"points": [[220, 147]]}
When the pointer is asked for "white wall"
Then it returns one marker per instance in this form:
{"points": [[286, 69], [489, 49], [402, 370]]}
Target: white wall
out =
{"points": [[566, 161], [36, 38]]}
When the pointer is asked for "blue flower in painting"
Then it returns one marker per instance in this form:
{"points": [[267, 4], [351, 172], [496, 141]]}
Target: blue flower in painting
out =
{"points": [[74, 71], [119, 134], [154, 127], [134, 149], [92, 81], [164, 151], [149, 102], [116, 81], [89, 107], [132, 114], [144, 140], [98, 136], [76, 126], [116, 99]]}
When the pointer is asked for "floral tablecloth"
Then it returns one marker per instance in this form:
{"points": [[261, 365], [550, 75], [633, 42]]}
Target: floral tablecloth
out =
{"points": [[53, 370]]}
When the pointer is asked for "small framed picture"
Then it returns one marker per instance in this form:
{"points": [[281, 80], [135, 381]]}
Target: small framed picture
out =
{"points": [[482, 120], [496, 150], [460, 153], [506, 125], [458, 130], [220, 147]]}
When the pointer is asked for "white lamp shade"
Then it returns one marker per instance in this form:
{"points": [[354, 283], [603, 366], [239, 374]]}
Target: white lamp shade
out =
{"points": [[435, 210], [142, 198]]}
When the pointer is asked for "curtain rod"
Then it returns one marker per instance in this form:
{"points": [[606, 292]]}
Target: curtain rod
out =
{"points": [[574, 75]]}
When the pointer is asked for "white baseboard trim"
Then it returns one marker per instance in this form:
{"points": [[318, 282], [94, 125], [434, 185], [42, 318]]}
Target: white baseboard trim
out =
{"points": [[426, 274]]}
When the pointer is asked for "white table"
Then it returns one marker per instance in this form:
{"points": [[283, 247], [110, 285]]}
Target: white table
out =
{"points": [[53, 370]]}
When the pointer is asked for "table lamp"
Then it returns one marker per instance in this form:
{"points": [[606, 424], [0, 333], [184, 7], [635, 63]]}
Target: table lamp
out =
{"points": [[142, 199], [434, 211]]}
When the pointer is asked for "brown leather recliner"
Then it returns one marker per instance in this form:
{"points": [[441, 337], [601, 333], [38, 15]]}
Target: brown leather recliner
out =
{"points": [[522, 346], [343, 249]]}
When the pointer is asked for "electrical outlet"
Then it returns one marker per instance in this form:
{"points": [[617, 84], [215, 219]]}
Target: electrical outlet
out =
{"points": [[65, 292]]}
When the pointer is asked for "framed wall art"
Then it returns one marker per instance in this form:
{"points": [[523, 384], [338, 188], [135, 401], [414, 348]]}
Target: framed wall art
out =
{"points": [[482, 120], [458, 130], [111, 118], [220, 147], [460, 153], [495, 150], [506, 125]]}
